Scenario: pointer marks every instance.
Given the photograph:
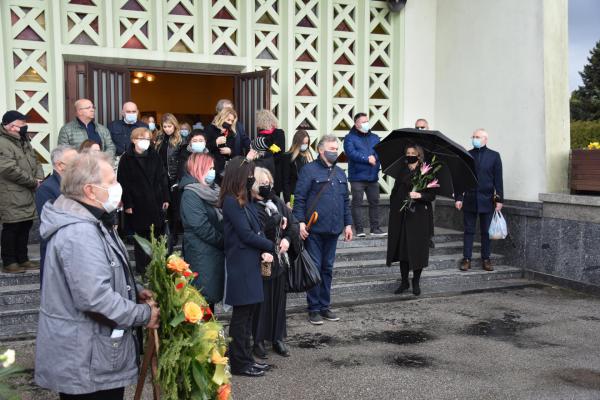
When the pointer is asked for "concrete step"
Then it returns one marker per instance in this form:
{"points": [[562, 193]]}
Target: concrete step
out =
{"points": [[26, 278], [379, 267], [19, 295], [380, 252]]}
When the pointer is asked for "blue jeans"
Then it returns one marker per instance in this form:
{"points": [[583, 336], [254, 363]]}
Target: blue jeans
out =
{"points": [[470, 220], [322, 250]]}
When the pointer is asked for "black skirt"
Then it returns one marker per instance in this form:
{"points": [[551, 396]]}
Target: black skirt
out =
{"points": [[270, 318]]}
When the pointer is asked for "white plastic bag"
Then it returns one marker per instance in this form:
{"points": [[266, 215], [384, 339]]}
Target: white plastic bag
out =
{"points": [[498, 229]]}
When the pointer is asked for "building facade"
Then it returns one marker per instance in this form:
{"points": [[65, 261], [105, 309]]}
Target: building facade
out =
{"points": [[461, 64]]}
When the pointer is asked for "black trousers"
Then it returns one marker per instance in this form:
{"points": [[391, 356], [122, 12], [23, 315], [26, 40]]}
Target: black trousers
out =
{"points": [[240, 332], [141, 258], [372, 190], [270, 318], [15, 237], [112, 394], [404, 269]]}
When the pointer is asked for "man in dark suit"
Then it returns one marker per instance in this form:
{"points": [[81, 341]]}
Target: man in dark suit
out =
{"points": [[481, 201]]}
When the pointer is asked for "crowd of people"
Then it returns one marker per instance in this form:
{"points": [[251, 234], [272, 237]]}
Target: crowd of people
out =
{"points": [[243, 207]]}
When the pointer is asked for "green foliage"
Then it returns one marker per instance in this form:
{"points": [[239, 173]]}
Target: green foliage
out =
{"points": [[583, 133], [185, 368], [585, 101]]}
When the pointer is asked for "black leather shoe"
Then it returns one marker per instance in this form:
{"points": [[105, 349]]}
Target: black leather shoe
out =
{"points": [[416, 288], [259, 350], [403, 286], [280, 348], [250, 371], [261, 366]]}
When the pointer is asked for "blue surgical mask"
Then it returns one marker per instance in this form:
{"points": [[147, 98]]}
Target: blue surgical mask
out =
{"points": [[151, 126], [476, 143], [198, 147], [184, 132], [131, 118], [365, 127], [210, 177], [303, 147]]}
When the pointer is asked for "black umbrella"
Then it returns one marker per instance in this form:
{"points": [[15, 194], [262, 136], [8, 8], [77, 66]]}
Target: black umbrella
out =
{"points": [[459, 175]]}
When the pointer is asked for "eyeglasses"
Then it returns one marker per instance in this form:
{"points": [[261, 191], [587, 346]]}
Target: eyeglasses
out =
{"points": [[88, 108]]}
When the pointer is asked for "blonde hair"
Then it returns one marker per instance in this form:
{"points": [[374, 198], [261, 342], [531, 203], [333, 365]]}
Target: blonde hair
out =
{"points": [[222, 116], [175, 139], [265, 119], [259, 174]]}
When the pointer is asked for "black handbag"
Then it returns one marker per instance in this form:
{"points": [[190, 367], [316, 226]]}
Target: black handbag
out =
{"points": [[302, 274]]}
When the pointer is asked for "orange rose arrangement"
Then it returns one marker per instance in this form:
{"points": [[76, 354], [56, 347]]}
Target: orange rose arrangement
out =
{"points": [[191, 361]]}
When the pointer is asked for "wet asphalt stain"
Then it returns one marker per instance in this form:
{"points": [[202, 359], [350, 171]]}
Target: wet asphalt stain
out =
{"points": [[589, 318], [349, 362], [503, 329], [409, 360], [585, 378], [402, 337]]}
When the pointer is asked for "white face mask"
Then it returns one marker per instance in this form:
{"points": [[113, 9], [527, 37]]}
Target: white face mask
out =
{"points": [[151, 126], [143, 144], [303, 147], [365, 127], [114, 197]]}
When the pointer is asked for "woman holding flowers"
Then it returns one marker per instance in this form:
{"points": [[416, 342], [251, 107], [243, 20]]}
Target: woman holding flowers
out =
{"points": [[245, 247], [410, 210], [203, 227]]}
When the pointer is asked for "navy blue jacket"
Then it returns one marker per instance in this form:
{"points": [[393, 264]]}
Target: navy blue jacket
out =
{"points": [[333, 206], [120, 132], [244, 244], [49, 190], [358, 147], [488, 167]]}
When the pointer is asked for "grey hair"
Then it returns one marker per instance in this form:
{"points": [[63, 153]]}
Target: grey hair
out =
{"points": [[221, 103], [57, 153], [326, 139], [483, 132], [84, 170], [259, 174]]}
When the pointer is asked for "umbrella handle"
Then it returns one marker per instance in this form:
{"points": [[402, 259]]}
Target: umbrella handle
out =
{"points": [[313, 219]]}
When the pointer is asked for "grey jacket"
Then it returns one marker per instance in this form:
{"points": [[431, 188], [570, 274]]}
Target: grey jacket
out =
{"points": [[73, 134], [83, 274]]}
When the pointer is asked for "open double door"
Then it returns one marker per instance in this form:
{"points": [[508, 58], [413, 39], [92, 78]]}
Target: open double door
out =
{"points": [[108, 87]]}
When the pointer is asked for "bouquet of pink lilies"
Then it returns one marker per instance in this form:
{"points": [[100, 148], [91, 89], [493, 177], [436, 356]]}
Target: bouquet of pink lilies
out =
{"points": [[424, 179]]}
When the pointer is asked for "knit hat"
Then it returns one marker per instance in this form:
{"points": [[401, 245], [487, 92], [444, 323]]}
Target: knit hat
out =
{"points": [[12, 116]]}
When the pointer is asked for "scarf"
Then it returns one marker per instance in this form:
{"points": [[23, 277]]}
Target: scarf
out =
{"points": [[210, 194]]}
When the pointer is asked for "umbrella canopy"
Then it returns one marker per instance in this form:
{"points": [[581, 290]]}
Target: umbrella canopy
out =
{"points": [[458, 172]]}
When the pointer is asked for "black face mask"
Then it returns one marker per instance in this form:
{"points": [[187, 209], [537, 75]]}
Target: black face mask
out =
{"points": [[23, 132], [411, 159], [226, 125], [250, 183], [264, 191]]}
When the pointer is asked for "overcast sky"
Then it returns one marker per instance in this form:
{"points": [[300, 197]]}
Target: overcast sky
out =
{"points": [[584, 32]]}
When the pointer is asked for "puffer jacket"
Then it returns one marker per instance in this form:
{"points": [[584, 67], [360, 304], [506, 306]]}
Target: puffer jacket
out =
{"points": [[358, 147], [170, 157], [19, 172], [85, 295]]}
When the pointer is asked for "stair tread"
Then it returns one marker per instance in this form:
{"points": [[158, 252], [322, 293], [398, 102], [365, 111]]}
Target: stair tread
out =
{"points": [[4, 290], [382, 262], [444, 245]]}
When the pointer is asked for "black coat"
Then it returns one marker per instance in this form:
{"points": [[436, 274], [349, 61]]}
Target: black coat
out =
{"points": [[290, 233], [244, 244], [169, 156], [274, 162], [145, 188], [409, 232], [238, 143], [290, 170], [488, 167]]}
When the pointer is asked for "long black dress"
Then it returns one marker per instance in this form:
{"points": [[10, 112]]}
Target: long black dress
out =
{"points": [[409, 230], [270, 318]]}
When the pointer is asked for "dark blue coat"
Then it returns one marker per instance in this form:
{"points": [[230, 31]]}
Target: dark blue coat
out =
{"points": [[358, 147], [49, 190], [333, 206], [244, 244], [488, 167], [120, 132]]}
